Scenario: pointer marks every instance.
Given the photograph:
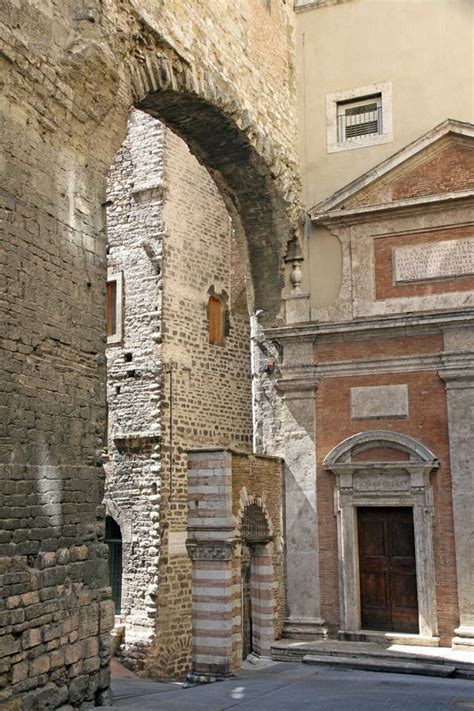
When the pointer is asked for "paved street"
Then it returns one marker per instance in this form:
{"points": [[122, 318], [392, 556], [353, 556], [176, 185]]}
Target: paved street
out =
{"points": [[276, 686]]}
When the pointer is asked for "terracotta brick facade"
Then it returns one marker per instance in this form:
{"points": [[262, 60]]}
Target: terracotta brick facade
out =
{"points": [[385, 285], [390, 362]]}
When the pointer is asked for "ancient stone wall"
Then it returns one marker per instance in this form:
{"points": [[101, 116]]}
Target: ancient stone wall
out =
{"points": [[135, 231], [70, 72], [169, 388]]}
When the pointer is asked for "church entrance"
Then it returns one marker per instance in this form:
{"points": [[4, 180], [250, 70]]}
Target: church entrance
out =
{"points": [[387, 566]]}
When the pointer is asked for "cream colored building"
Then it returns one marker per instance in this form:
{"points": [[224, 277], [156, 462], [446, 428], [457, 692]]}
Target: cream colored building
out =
{"points": [[417, 54], [377, 369]]}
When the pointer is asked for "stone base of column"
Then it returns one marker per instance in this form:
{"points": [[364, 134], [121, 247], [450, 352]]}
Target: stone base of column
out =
{"points": [[464, 638], [305, 628]]}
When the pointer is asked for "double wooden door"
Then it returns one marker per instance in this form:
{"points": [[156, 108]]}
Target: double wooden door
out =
{"points": [[388, 593]]}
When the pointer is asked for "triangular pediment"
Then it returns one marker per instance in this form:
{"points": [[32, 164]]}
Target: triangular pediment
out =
{"points": [[439, 163]]}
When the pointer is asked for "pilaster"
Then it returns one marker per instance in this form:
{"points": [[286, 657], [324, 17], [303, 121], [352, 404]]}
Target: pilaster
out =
{"points": [[460, 399], [298, 385]]}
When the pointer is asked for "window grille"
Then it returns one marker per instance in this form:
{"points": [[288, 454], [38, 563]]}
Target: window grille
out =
{"points": [[359, 118], [254, 525]]}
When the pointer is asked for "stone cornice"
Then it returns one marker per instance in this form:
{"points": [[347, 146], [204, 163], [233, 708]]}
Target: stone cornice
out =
{"points": [[298, 380], [408, 205], [450, 362], [460, 377], [366, 327]]}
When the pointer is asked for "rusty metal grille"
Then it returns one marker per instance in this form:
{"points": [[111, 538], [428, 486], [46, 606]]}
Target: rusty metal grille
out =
{"points": [[254, 525]]}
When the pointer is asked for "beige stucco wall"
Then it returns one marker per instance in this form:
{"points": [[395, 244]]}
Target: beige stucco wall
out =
{"points": [[425, 48]]}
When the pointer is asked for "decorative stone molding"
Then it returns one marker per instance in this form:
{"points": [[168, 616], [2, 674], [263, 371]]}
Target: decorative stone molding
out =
{"points": [[343, 452], [396, 483], [210, 551]]}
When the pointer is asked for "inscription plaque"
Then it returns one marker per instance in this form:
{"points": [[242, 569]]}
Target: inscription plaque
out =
{"points": [[434, 260]]}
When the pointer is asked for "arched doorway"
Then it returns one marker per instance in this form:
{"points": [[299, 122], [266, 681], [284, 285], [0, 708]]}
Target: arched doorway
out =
{"points": [[113, 538], [384, 508]]}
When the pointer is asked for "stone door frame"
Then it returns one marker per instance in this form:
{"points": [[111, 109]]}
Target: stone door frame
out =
{"points": [[404, 483]]}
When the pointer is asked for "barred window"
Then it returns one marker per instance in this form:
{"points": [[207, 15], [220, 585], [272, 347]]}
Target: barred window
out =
{"points": [[361, 117]]}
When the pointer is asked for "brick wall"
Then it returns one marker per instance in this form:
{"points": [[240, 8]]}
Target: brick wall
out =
{"points": [[426, 422]]}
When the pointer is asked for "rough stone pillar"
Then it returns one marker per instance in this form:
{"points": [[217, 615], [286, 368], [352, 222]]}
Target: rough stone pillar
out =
{"points": [[460, 397], [211, 546], [298, 387]]}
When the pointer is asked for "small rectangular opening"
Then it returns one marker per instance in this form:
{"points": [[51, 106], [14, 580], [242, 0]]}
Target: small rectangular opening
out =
{"points": [[111, 308]]}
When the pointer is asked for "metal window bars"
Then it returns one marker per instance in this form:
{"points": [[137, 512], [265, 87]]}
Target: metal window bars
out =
{"points": [[362, 120]]}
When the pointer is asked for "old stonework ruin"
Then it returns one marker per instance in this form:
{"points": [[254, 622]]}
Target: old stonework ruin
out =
{"points": [[236, 392], [179, 395]]}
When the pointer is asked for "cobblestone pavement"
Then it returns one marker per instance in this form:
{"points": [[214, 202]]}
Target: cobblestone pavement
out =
{"points": [[273, 686]]}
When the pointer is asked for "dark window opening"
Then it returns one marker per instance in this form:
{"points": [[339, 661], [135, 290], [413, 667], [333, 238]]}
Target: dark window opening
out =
{"points": [[113, 538]]}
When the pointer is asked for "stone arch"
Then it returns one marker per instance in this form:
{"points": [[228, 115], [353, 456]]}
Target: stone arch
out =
{"points": [[256, 534], [259, 188], [115, 512], [246, 502]]}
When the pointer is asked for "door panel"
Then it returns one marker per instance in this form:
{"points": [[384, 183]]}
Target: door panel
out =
{"points": [[388, 592]]}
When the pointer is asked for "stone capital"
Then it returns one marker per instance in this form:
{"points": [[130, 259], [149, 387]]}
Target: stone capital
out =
{"points": [[211, 551], [457, 378]]}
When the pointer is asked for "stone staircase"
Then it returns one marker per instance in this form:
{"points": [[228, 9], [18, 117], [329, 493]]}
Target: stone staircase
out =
{"points": [[370, 656]]}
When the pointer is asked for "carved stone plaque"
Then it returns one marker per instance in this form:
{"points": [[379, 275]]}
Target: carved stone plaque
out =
{"points": [[434, 260]]}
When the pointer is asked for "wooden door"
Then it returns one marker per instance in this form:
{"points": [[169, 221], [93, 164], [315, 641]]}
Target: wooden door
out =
{"points": [[388, 595]]}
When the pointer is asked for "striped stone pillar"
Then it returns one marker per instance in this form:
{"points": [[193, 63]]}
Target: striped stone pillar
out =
{"points": [[211, 546], [262, 579]]}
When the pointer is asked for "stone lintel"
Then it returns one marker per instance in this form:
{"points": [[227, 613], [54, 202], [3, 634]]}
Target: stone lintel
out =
{"points": [[387, 467]]}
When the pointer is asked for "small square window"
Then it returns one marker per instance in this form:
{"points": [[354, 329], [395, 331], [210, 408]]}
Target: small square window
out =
{"points": [[359, 118]]}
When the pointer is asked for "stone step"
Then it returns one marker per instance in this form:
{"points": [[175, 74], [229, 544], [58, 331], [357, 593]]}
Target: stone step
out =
{"points": [[295, 651], [392, 664]]}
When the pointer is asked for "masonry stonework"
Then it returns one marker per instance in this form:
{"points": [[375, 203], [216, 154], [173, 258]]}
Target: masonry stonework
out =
{"points": [[169, 388], [70, 72]]}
